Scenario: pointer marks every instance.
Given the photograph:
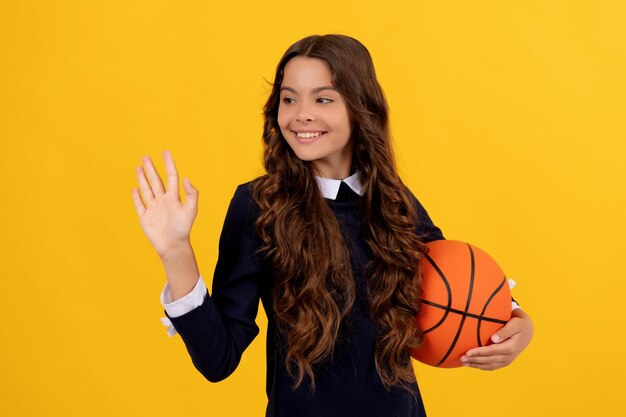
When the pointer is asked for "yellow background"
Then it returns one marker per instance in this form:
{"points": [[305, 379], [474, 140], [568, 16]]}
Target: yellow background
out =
{"points": [[508, 119]]}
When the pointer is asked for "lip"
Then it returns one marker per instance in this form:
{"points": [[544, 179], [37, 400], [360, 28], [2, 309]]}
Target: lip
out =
{"points": [[307, 140]]}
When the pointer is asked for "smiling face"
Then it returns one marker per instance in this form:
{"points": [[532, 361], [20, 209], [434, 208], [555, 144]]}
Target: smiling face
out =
{"points": [[313, 117]]}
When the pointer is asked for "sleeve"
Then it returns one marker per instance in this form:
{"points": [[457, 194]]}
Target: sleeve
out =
{"points": [[183, 305], [514, 304], [425, 227], [218, 331]]}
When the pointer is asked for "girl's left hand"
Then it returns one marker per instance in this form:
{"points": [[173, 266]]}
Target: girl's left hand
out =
{"points": [[509, 342]]}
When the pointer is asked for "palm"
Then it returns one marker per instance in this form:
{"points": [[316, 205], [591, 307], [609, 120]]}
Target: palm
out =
{"points": [[165, 220], [166, 223]]}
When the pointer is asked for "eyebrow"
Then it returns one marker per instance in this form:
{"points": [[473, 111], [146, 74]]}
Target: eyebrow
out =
{"points": [[315, 90]]}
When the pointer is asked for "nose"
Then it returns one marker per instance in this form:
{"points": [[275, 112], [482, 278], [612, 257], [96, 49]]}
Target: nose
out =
{"points": [[304, 114], [301, 118]]}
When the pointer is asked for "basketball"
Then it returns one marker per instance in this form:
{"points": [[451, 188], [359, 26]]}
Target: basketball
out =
{"points": [[465, 300]]}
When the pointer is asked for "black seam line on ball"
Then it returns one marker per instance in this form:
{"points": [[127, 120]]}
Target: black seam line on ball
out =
{"points": [[467, 304], [447, 284], [493, 294], [464, 313]]}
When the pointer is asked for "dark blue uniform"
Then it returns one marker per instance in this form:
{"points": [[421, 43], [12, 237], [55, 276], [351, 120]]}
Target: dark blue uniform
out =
{"points": [[217, 332]]}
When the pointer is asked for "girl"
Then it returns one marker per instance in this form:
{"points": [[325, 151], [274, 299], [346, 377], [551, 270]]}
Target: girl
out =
{"points": [[329, 240]]}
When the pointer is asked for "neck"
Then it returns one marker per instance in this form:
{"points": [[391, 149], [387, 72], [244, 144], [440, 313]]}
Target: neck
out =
{"points": [[332, 172]]}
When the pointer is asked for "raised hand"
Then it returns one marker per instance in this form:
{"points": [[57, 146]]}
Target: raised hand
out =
{"points": [[165, 220]]}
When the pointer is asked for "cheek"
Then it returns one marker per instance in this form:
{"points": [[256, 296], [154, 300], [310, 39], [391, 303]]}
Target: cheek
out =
{"points": [[342, 123], [283, 118], [283, 125], [341, 119]]}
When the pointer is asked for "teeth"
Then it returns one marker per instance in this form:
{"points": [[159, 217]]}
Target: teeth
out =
{"points": [[307, 134]]}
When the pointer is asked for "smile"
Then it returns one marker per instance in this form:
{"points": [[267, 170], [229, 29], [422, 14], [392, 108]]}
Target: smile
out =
{"points": [[307, 137]]}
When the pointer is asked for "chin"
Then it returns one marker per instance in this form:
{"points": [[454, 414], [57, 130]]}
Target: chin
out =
{"points": [[306, 158]]}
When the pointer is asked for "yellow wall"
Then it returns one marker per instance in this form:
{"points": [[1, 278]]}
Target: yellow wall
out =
{"points": [[508, 120]]}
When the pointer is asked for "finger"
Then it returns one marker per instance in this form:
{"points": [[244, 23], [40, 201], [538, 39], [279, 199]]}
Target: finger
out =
{"points": [[172, 174], [487, 367], [487, 363], [153, 176], [499, 349], [512, 327], [483, 360], [191, 195], [138, 203], [144, 185]]}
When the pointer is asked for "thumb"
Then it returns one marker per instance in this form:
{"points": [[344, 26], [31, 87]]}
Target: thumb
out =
{"points": [[504, 333], [191, 194]]}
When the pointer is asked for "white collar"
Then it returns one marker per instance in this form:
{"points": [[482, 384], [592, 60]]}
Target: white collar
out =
{"points": [[330, 187]]}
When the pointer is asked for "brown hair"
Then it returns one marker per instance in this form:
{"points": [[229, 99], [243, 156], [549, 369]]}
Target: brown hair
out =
{"points": [[314, 288]]}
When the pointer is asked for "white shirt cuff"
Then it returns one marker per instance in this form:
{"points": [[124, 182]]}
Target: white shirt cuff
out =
{"points": [[183, 305], [514, 305]]}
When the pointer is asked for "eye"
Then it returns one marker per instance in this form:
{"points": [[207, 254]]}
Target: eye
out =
{"points": [[327, 99], [287, 100]]}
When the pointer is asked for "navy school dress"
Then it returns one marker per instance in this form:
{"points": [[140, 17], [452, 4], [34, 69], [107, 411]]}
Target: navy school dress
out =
{"points": [[217, 332]]}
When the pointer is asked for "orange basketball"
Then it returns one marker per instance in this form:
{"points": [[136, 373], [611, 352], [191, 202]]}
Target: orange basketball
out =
{"points": [[465, 300]]}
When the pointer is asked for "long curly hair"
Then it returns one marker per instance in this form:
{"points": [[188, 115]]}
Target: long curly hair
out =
{"points": [[314, 288]]}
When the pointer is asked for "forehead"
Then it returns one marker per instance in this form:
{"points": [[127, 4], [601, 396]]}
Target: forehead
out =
{"points": [[306, 73]]}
